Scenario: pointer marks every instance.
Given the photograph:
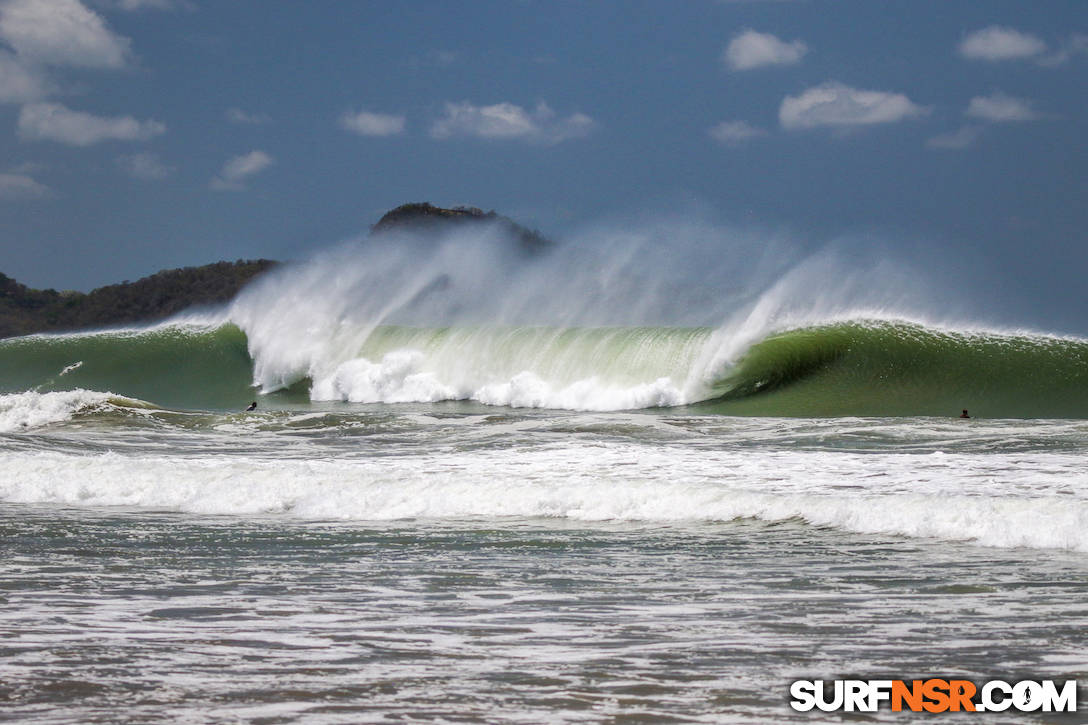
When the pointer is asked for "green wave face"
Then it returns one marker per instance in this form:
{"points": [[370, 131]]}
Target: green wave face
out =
{"points": [[561, 355], [171, 366], [903, 369], [856, 368]]}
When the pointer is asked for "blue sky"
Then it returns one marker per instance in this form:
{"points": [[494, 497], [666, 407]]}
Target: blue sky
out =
{"points": [[142, 134]]}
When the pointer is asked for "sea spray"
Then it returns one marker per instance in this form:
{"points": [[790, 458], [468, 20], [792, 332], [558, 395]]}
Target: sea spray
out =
{"points": [[497, 326], [463, 316]]}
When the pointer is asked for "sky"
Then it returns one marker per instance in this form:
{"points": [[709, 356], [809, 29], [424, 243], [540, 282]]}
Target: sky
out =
{"points": [[137, 135]]}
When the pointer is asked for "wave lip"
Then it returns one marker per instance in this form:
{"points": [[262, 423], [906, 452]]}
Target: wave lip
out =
{"points": [[181, 365], [861, 367]]}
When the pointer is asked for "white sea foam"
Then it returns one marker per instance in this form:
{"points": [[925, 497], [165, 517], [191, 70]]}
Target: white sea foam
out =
{"points": [[400, 378], [1023, 500], [527, 390], [23, 411], [396, 379]]}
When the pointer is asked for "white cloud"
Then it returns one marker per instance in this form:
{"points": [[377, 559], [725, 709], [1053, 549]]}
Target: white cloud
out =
{"points": [[20, 83], [236, 171], [1076, 45], [19, 187], [131, 5], [1000, 108], [960, 139], [733, 133], [144, 166], [508, 121], [754, 50], [54, 122], [837, 105], [237, 115], [61, 33], [366, 123], [996, 43]]}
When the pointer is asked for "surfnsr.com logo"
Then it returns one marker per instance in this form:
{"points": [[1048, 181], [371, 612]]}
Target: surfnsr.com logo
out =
{"points": [[934, 695]]}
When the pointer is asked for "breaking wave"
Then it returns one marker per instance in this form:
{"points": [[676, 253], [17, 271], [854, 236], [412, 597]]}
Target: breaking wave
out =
{"points": [[611, 325], [855, 367], [934, 496]]}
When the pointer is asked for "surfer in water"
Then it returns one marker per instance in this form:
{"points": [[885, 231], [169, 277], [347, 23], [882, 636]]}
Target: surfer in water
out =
{"points": [[253, 406], [962, 415]]}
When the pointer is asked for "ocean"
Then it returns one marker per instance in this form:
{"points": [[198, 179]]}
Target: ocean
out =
{"points": [[544, 514]]}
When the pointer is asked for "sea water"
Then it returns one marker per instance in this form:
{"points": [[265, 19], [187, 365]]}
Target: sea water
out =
{"points": [[466, 563], [575, 488]]}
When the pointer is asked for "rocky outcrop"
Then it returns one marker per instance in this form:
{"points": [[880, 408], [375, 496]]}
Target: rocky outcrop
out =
{"points": [[425, 218]]}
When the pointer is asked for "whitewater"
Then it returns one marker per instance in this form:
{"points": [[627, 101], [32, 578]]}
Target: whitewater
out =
{"points": [[620, 481]]}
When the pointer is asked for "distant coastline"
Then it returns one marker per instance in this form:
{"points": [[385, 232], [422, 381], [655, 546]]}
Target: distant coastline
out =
{"points": [[24, 311]]}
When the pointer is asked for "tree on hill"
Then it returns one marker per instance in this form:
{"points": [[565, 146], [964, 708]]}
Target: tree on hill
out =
{"points": [[426, 218], [24, 310]]}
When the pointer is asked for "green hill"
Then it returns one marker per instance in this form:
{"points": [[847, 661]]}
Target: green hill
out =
{"points": [[24, 310], [423, 218]]}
